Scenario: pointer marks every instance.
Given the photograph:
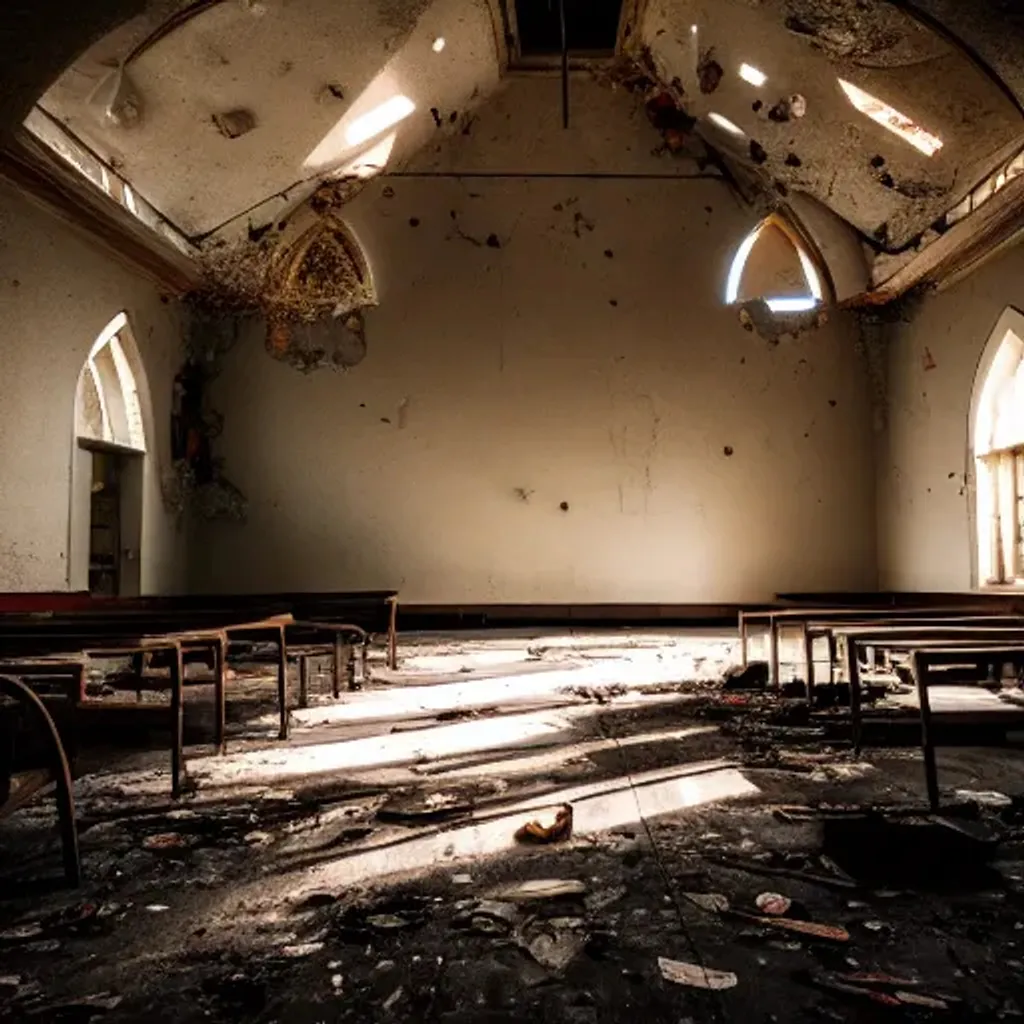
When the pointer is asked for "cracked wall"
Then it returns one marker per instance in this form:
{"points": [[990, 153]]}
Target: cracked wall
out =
{"points": [[554, 405]]}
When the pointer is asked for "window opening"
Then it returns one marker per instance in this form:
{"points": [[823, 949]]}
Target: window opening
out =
{"points": [[998, 442], [773, 264]]}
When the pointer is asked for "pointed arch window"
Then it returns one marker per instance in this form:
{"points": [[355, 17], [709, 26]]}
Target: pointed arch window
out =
{"points": [[107, 406], [998, 452], [773, 264]]}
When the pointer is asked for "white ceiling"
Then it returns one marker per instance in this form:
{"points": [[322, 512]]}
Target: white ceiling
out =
{"points": [[277, 60], [805, 47]]}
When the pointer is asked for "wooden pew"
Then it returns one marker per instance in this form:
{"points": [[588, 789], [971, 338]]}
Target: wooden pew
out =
{"points": [[18, 788]]}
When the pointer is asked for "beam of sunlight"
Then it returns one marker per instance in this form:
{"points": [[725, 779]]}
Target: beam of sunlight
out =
{"points": [[378, 120], [367, 118], [891, 119], [371, 161], [540, 762], [755, 76], [725, 124], [258, 767], [601, 812], [643, 669]]}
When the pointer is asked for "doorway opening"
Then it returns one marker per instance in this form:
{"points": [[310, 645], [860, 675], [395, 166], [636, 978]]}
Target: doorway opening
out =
{"points": [[107, 469]]}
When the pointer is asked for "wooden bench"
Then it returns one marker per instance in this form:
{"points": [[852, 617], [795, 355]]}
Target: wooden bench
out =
{"points": [[18, 788]]}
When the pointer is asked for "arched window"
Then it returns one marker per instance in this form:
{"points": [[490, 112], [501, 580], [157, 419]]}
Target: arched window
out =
{"points": [[773, 264], [108, 467], [997, 442], [107, 405]]}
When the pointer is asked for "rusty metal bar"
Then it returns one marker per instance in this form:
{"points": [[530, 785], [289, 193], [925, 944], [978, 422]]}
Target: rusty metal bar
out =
{"points": [[220, 652], [177, 720], [919, 670], [774, 677], [393, 634], [303, 680], [853, 678], [339, 648], [61, 772], [282, 683]]}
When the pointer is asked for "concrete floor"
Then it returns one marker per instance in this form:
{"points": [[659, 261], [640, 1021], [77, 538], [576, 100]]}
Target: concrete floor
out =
{"points": [[360, 871]]}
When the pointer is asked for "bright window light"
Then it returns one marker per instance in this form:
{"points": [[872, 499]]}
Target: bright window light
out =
{"points": [[725, 124], [804, 304], [693, 29], [811, 275], [438, 44], [755, 76], [891, 119], [739, 263], [382, 117]]}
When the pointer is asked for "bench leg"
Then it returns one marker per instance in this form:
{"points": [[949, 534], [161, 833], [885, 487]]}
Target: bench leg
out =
{"points": [[774, 678], [744, 640], [138, 670], [365, 674], [177, 720], [831, 659], [339, 657], [61, 773], [393, 635], [303, 680], [809, 663], [931, 772], [853, 677], [220, 659], [282, 684]]}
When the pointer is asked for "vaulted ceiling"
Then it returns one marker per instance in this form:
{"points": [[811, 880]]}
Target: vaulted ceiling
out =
{"points": [[244, 100]]}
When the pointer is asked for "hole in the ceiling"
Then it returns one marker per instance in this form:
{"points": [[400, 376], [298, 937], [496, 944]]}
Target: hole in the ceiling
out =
{"points": [[755, 76], [591, 27], [891, 119], [438, 44]]}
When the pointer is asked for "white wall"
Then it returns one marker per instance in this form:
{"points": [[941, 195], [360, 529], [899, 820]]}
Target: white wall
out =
{"points": [[56, 294], [926, 536], [505, 369]]}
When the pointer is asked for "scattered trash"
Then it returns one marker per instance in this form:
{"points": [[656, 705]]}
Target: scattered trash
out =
{"points": [[166, 841], [21, 932], [462, 879], [157, 908], [773, 903], [695, 976], [874, 926], [555, 943], [605, 898], [393, 999], [301, 949], [985, 798], [258, 838], [541, 889], [388, 922], [10, 980], [336, 983], [714, 902], [535, 832]]}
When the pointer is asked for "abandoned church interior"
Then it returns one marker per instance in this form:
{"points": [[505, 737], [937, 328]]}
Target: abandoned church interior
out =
{"points": [[511, 510]]}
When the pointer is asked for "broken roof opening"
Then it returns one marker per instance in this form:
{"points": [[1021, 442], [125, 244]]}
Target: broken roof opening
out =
{"points": [[591, 27]]}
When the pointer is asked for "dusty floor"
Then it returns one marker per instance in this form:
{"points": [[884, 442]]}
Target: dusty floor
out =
{"points": [[362, 871]]}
